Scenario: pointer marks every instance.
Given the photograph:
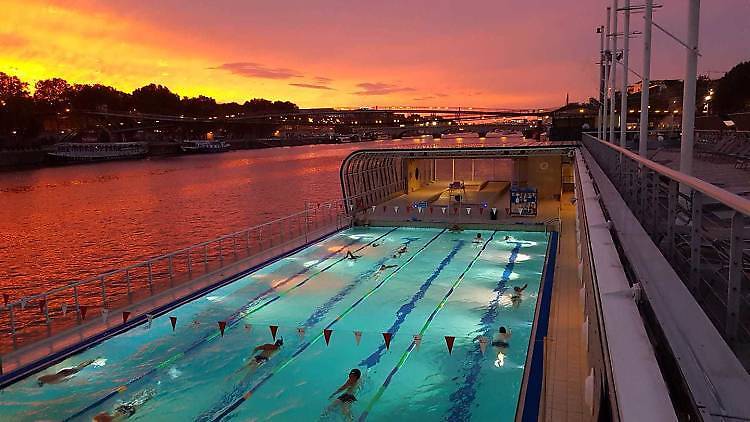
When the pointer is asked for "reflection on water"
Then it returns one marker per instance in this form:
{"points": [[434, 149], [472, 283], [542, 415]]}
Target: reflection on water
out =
{"points": [[63, 224]]}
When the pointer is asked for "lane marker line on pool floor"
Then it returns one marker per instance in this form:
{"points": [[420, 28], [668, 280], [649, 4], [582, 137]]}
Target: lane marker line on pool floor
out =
{"points": [[303, 347], [233, 320], [425, 326]]}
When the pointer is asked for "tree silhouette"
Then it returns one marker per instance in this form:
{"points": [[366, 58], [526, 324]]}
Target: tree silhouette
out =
{"points": [[11, 87], [154, 98], [53, 93], [733, 90]]}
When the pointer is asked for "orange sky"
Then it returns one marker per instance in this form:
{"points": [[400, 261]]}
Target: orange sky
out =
{"points": [[329, 53]]}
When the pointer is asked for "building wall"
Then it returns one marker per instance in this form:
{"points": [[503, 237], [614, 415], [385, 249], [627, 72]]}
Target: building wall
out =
{"points": [[419, 173]]}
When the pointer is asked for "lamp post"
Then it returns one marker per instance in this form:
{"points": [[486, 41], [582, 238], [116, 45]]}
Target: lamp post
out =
{"points": [[600, 125], [624, 91], [688, 94], [645, 80], [607, 67], [613, 97]]}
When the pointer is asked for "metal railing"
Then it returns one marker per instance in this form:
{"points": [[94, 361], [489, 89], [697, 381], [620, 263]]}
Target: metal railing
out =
{"points": [[700, 229], [36, 317]]}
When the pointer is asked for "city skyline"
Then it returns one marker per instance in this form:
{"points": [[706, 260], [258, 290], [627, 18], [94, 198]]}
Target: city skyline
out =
{"points": [[492, 54]]}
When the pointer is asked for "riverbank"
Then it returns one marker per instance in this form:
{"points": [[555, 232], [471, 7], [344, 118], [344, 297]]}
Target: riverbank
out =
{"points": [[34, 158]]}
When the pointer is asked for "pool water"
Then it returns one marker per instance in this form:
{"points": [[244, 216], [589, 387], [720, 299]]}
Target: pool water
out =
{"points": [[445, 284]]}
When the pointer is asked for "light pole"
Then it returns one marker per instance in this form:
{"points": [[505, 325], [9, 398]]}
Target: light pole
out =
{"points": [[624, 91], [607, 67], [688, 93], [645, 80], [600, 125], [613, 98]]}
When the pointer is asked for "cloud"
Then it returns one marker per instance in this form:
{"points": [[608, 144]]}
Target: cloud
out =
{"points": [[379, 88], [312, 86], [323, 80], [256, 70], [8, 40], [428, 97]]}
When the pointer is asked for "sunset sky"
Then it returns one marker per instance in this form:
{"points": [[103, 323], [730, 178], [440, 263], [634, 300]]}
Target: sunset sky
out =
{"points": [[494, 53]]}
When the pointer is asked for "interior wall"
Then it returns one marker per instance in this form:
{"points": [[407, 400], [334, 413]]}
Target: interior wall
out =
{"points": [[545, 174]]}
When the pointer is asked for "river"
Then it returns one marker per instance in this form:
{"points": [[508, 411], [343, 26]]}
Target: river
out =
{"points": [[62, 224]]}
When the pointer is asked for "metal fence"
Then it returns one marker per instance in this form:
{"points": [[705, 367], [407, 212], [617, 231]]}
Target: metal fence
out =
{"points": [[33, 318], [700, 229]]}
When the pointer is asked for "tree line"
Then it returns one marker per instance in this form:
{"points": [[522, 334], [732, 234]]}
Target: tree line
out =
{"points": [[22, 113]]}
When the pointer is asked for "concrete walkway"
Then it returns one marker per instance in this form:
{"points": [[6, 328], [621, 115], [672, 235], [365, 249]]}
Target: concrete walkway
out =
{"points": [[565, 357]]}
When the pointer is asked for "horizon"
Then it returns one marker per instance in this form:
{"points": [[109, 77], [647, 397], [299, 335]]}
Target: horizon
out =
{"points": [[347, 56]]}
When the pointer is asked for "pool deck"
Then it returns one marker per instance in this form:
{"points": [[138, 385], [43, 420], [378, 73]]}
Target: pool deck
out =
{"points": [[565, 356]]}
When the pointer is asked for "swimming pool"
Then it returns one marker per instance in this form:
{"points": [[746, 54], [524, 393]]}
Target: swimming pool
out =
{"points": [[444, 284]]}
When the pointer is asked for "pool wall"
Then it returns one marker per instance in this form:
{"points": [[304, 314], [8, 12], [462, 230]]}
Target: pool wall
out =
{"points": [[533, 379], [10, 377]]}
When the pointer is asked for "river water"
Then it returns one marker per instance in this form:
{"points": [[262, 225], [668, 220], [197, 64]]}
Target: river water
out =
{"points": [[62, 224]]}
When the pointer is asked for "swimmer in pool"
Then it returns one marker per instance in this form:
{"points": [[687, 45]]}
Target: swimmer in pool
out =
{"points": [[517, 295], [502, 338], [125, 410], [402, 250], [349, 389], [455, 228], [63, 374], [350, 255], [477, 239], [508, 238], [266, 352]]}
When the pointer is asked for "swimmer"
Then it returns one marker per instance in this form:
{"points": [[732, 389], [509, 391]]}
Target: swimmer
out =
{"points": [[375, 245], [349, 389], [477, 239], [125, 410], [267, 352], [402, 250], [383, 268], [350, 255], [195, 323], [508, 238], [63, 374], [455, 228], [502, 338], [516, 297]]}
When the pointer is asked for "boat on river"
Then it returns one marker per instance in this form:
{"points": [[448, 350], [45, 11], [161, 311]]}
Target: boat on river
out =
{"points": [[202, 146], [97, 151]]}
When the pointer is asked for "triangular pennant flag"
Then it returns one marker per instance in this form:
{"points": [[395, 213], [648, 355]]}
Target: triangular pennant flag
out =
{"points": [[357, 337], [64, 308], [420, 210], [431, 210], [417, 341], [327, 335], [125, 316], [494, 210], [23, 303], [83, 311], [351, 207], [222, 326], [42, 303], [301, 331], [481, 210], [444, 209], [6, 298], [149, 318], [455, 210], [395, 209], [173, 320], [105, 314], [384, 208], [387, 338], [468, 210], [483, 342], [248, 327], [449, 342], [274, 329], [373, 209], [408, 210]]}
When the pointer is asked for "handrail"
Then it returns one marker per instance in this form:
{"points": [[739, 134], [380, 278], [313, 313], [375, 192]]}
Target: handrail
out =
{"points": [[729, 199], [26, 299]]}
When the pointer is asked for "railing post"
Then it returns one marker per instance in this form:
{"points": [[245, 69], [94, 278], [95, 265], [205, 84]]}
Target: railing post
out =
{"points": [[150, 277], [190, 262], [221, 254], [78, 305], [46, 315], [234, 246], [104, 292], [672, 197], [205, 257], [127, 282], [734, 286], [695, 240], [12, 316], [170, 269], [247, 242], [655, 182]]}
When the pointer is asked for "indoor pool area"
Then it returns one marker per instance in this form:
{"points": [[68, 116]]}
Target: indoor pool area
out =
{"points": [[417, 311]]}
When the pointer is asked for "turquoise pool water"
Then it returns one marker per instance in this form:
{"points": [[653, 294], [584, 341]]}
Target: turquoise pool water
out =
{"points": [[445, 284]]}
